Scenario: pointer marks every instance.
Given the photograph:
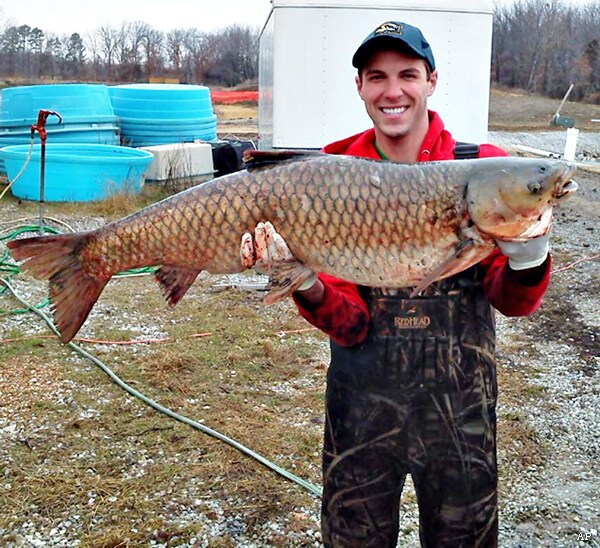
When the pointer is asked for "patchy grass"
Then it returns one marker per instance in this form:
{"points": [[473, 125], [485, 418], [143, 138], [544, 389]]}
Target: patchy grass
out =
{"points": [[114, 207], [123, 203], [124, 474]]}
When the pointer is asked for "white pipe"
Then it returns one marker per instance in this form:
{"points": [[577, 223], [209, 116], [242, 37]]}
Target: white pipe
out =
{"points": [[571, 144], [537, 151]]}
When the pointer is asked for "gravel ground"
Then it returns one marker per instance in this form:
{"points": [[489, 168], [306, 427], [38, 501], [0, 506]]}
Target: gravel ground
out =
{"points": [[588, 143], [551, 503]]}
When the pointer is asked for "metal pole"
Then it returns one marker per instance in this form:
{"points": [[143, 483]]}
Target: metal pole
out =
{"points": [[564, 99], [42, 177], [40, 127]]}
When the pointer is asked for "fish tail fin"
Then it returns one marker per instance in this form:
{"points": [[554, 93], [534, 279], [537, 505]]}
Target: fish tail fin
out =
{"points": [[175, 281], [73, 291], [289, 278]]}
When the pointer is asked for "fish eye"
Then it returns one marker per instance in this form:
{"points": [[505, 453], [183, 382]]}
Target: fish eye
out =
{"points": [[534, 188]]}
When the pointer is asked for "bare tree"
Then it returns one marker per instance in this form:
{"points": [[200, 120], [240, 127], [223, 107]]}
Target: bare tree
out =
{"points": [[235, 55], [91, 43], [590, 33], [196, 46], [543, 46], [174, 46], [108, 40], [129, 50], [152, 46]]}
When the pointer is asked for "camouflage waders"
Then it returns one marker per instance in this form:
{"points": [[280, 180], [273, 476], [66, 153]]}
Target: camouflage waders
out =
{"points": [[418, 397]]}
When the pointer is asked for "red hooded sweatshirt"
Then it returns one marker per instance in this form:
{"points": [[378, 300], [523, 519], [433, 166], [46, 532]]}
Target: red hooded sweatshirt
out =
{"points": [[343, 314]]}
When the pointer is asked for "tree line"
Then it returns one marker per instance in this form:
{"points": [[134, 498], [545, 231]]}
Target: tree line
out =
{"points": [[132, 52], [541, 46], [544, 46]]}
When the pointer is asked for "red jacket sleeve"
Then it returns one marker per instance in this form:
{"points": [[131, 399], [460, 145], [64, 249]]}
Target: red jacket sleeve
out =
{"points": [[514, 292], [343, 315]]}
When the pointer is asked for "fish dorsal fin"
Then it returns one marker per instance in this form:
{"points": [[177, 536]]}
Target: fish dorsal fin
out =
{"points": [[260, 158]]}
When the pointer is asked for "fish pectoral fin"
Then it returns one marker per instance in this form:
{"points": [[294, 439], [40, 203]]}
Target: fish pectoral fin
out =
{"points": [[175, 281], [260, 158], [447, 265], [287, 279]]}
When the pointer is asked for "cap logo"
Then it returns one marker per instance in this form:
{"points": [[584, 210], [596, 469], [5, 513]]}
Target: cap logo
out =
{"points": [[388, 28]]}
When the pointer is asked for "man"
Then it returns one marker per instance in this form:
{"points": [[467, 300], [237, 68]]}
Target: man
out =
{"points": [[405, 397]]}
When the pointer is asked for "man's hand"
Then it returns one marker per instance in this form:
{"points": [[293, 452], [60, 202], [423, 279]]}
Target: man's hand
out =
{"points": [[527, 254], [268, 253]]}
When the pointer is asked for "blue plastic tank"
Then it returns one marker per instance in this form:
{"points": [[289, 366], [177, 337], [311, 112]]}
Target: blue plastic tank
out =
{"points": [[85, 109], [76, 172], [153, 114]]}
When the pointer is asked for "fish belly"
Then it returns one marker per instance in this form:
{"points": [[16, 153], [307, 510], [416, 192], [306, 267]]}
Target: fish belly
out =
{"points": [[368, 222]]}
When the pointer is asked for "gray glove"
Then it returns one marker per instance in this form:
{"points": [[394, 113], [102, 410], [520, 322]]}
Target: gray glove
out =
{"points": [[527, 254]]}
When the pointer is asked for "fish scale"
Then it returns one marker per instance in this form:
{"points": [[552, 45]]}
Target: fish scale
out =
{"points": [[372, 223]]}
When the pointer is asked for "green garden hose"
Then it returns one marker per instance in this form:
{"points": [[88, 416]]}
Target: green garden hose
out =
{"points": [[313, 489]]}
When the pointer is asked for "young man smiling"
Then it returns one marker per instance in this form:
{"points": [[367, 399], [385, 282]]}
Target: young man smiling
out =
{"points": [[394, 87], [406, 397]]}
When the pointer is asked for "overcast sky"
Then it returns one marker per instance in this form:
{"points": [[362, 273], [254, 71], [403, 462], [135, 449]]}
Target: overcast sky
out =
{"points": [[82, 16], [68, 16]]}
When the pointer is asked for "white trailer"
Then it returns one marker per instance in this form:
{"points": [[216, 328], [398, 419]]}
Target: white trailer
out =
{"points": [[307, 93]]}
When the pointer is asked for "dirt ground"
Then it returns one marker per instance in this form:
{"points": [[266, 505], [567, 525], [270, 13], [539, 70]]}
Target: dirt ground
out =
{"points": [[83, 463], [516, 110]]}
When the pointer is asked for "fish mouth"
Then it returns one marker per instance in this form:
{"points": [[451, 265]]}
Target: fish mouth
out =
{"points": [[566, 186], [566, 189]]}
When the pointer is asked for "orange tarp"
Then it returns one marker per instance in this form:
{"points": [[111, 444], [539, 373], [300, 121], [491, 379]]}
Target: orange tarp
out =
{"points": [[228, 97]]}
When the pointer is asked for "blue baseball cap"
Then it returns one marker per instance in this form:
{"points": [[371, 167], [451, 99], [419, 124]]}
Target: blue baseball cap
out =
{"points": [[394, 35]]}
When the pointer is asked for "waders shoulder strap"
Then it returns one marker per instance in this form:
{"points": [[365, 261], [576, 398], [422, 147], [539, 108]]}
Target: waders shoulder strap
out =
{"points": [[466, 151]]}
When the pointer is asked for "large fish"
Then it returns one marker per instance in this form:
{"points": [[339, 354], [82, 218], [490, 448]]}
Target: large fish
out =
{"points": [[372, 223]]}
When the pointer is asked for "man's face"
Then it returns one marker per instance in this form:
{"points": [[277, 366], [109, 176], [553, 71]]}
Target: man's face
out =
{"points": [[395, 88]]}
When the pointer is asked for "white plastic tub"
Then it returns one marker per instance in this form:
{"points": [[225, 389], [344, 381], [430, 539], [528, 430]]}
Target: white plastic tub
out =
{"points": [[180, 160]]}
